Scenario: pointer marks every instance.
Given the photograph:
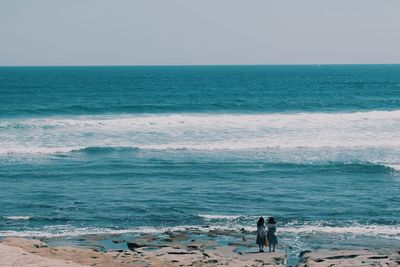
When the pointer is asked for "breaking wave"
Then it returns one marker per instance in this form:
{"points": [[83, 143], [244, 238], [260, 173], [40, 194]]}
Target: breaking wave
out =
{"points": [[385, 231], [17, 218], [202, 131]]}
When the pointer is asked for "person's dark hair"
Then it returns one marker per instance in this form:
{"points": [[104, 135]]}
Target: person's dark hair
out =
{"points": [[260, 221], [271, 220]]}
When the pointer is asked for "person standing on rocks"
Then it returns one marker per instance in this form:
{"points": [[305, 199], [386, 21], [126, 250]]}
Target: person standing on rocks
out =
{"points": [[271, 230], [261, 235]]}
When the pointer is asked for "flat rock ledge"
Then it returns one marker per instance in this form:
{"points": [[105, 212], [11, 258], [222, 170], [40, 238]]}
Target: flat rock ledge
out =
{"points": [[339, 258]]}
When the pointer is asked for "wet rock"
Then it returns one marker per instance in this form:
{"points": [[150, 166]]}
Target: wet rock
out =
{"points": [[134, 245], [216, 232], [148, 237], [175, 237], [180, 252], [279, 260], [378, 257], [342, 257], [116, 250], [304, 252], [40, 245], [118, 241]]}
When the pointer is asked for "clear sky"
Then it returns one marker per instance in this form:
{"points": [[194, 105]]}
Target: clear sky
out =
{"points": [[159, 32]]}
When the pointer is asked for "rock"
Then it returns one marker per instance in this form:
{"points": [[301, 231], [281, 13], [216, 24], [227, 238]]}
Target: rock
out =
{"points": [[216, 232], [342, 257], [378, 257], [174, 237], [304, 252], [118, 241], [133, 245], [279, 260], [116, 250], [180, 252]]}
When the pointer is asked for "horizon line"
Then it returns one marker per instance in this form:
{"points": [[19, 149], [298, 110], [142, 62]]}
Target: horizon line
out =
{"points": [[200, 65]]}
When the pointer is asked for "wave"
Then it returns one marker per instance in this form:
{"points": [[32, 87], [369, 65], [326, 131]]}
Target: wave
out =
{"points": [[392, 231], [307, 160], [280, 160], [284, 133], [385, 231], [16, 218], [359, 167], [210, 217], [103, 150], [394, 167]]}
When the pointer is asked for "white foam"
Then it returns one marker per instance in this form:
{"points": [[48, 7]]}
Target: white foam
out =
{"points": [[203, 131], [395, 167], [210, 217], [62, 231], [384, 231], [17, 217], [370, 230]]}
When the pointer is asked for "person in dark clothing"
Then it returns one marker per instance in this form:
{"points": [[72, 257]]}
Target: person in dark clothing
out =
{"points": [[271, 229], [261, 235]]}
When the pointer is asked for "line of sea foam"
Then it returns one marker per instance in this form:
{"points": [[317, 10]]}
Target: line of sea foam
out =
{"points": [[203, 132], [387, 231]]}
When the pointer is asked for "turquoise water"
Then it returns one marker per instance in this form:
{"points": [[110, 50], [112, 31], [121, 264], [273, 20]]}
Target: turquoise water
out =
{"points": [[145, 149]]}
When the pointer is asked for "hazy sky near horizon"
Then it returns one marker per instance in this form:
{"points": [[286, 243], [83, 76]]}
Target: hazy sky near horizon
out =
{"points": [[165, 32]]}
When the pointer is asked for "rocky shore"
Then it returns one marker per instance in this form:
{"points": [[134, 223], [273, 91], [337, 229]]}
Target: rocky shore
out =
{"points": [[350, 258], [177, 251], [34, 253]]}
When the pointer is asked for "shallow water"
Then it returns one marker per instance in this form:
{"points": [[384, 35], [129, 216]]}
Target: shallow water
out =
{"points": [[144, 149]]}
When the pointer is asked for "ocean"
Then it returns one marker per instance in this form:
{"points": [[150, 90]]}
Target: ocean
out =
{"points": [[125, 150]]}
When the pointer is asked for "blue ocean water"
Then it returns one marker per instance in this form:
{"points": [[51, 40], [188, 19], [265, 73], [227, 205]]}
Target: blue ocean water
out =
{"points": [[144, 149]]}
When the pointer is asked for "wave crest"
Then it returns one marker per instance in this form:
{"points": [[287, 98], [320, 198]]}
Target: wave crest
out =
{"points": [[16, 218], [387, 231], [102, 150]]}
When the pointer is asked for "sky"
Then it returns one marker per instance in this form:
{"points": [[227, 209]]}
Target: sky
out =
{"points": [[198, 32]]}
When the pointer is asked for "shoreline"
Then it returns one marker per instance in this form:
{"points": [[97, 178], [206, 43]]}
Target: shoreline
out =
{"points": [[176, 250]]}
